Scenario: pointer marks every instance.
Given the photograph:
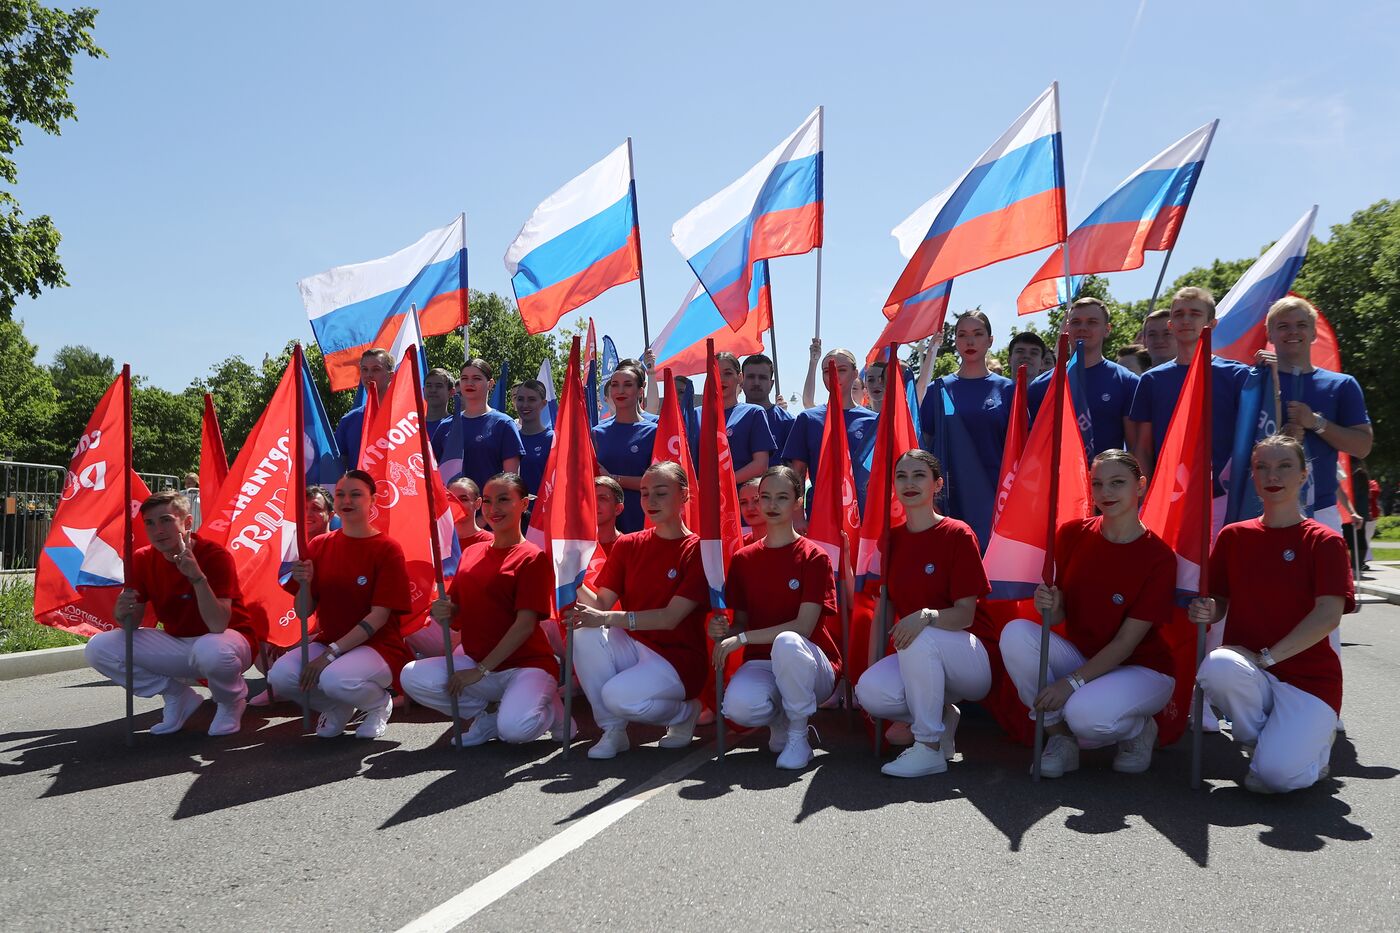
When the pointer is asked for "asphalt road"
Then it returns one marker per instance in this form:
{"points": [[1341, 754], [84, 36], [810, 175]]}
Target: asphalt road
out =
{"points": [[272, 830]]}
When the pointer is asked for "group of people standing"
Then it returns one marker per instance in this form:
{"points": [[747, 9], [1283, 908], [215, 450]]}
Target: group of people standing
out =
{"points": [[646, 642]]}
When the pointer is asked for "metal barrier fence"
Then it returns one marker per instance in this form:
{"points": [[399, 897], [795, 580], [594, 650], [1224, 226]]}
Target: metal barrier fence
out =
{"points": [[29, 493]]}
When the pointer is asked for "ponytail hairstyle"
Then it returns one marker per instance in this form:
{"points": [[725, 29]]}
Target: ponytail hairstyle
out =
{"points": [[786, 473]]}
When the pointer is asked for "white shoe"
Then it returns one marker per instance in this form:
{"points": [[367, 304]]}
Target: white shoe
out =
{"points": [[778, 733], [228, 718], [1061, 755], [482, 731], [375, 721], [899, 733], [798, 752], [180, 705], [951, 717], [679, 735], [613, 743], [334, 720], [1135, 755], [917, 760]]}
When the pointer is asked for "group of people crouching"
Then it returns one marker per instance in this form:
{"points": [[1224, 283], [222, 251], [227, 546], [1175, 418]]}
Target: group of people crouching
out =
{"points": [[1280, 583]]}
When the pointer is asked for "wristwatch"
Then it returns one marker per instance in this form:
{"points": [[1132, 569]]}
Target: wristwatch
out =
{"points": [[631, 621], [1321, 427], [1266, 660], [743, 638], [332, 651]]}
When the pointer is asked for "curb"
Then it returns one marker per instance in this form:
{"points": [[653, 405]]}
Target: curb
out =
{"points": [[43, 661], [1388, 593]]}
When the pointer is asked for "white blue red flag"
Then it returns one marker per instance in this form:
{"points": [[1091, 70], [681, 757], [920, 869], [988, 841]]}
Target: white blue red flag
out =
{"points": [[1143, 213], [681, 344], [1010, 202], [894, 437], [1239, 317], [81, 567], [720, 532], [409, 338], [580, 242], [550, 413], [919, 317], [774, 210], [355, 307]]}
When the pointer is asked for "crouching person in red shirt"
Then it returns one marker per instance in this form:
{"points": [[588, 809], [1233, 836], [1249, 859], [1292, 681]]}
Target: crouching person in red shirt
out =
{"points": [[498, 596], [1281, 583], [205, 631], [356, 581]]}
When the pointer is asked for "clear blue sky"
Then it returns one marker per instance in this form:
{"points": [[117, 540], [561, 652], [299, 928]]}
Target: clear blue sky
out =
{"points": [[224, 151]]}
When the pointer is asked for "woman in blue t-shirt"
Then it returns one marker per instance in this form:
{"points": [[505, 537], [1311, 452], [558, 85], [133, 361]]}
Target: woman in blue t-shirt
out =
{"points": [[478, 442], [623, 443]]}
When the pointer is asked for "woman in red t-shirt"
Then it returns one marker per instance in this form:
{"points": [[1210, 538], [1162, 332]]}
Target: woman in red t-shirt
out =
{"points": [[935, 578], [1281, 583], [499, 594], [645, 661], [1115, 589], [780, 589], [751, 511], [356, 581]]}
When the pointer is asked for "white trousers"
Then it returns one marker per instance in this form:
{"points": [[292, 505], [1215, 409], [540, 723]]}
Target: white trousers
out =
{"points": [[912, 685], [160, 661], [427, 641], [1108, 709], [625, 681], [798, 677], [359, 678], [1293, 728], [529, 697]]}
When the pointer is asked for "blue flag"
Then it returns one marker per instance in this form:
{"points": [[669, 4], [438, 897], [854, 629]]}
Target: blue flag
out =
{"points": [[590, 393], [498, 394]]}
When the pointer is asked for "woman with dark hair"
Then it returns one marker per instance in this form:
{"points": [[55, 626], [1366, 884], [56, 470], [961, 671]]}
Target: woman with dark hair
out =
{"points": [[1111, 671], [644, 661], [478, 442], [1281, 583], [935, 578], [624, 442], [781, 590], [356, 581], [498, 596], [530, 398]]}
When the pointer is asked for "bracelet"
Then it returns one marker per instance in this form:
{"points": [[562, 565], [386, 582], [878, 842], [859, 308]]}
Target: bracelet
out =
{"points": [[631, 621], [1266, 660], [743, 638], [1075, 682], [333, 651], [930, 617], [1321, 427]]}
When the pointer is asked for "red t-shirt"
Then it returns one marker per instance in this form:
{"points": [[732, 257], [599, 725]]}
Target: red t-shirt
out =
{"points": [[1105, 583], [353, 575], [646, 571], [1273, 577], [480, 536], [771, 584], [492, 585], [936, 567], [158, 582], [753, 537]]}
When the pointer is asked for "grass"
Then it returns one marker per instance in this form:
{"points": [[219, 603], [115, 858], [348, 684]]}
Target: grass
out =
{"points": [[18, 630]]}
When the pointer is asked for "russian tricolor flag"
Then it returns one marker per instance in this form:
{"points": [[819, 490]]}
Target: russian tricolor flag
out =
{"points": [[1239, 318], [355, 307], [681, 344], [580, 242], [1010, 202], [1143, 213], [775, 209], [919, 317]]}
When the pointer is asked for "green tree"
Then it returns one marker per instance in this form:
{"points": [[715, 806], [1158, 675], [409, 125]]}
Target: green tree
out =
{"points": [[28, 402], [165, 429], [37, 49], [80, 376]]}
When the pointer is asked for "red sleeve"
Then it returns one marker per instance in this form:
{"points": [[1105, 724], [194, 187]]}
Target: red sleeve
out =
{"points": [[818, 583], [221, 572], [1220, 564], [138, 577], [1332, 569], [534, 585], [391, 588], [614, 570], [694, 586], [735, 592], [314, 547], [969, 576], [1156, 600], [1065, 537]]}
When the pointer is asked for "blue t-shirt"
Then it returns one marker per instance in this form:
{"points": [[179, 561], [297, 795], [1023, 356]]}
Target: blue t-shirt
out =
{"points": [[433, 435], [1338, 398], [983, 407], [805, 443], [1110, 388], [780, 426], [625, 450], [347, 436], [537, 448], [1157, 394], [747, 428], [477, 447]]}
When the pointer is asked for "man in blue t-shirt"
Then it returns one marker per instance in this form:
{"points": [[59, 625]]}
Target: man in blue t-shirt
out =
{"points": [[1108, 386], [758, 387], [376, 371], [804, 443], [1160, 387], [478, 442], [1323, 409]]}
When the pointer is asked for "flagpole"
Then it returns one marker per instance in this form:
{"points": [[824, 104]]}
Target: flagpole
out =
{"points": [[1161, 277], [843, 603], [641, 270], [773, 339], [128, 547], [297, 486], [882, 612], [427, 454], [1207, 504], [821, 148], [1047, 573], [466, 295]]}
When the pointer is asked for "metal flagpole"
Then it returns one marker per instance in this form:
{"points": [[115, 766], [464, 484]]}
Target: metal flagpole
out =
{"points": [[641, 270], [1048, 570], [1207, 503], [773, 339], [128, 546], [298, 491], [1161, 276], [821, 148]]}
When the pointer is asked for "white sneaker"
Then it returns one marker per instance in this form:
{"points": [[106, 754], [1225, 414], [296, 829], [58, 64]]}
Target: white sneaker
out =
{"points": [[375, 720], [482, 731], [1135, 755], [334, 720], [1061, 755], [679, 735], [613, 743], [180, 704], [917, 760], [798, 752], [899, 733], [228, 718], [778, 734], [951, 717]]}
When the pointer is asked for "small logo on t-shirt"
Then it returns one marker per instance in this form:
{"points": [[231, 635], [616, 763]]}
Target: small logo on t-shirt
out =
{"points": [[362, 580], [1288, 554], [928, 568], [480, 438], [1106, 397], [793, 584], [634, 448], [728, 432], [671, 574], [1117, 599], [860, 433], [538, 448]]}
